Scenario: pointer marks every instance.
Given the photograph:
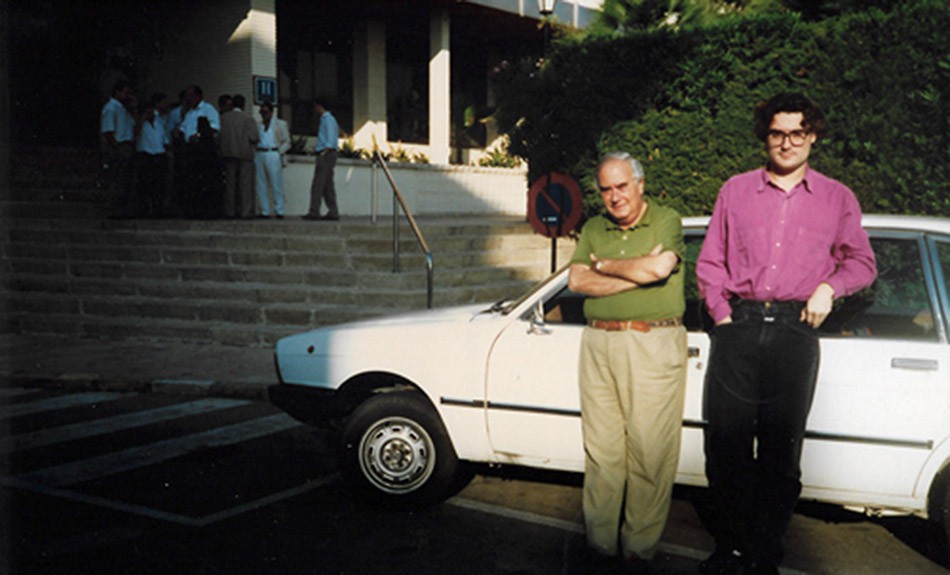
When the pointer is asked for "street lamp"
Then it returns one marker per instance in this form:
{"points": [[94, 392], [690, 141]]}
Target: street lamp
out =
{"points": [[546, 7]]}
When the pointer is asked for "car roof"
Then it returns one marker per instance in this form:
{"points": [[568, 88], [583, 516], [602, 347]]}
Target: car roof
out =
{"points": [[876, 221]]}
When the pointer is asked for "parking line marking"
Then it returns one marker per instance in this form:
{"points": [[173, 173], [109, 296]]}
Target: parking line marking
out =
{"points": [[160, 515], [116, 423], [60, 402], [136, 457], [525, 516], [578, 528]]}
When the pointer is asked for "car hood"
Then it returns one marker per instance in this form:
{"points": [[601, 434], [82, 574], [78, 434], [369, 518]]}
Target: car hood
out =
{"points": [[326, 356]]}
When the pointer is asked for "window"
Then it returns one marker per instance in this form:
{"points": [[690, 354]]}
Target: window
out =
{"points": [[897, 305]]}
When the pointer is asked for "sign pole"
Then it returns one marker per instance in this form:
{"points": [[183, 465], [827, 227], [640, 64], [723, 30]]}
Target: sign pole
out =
{"points": [[560, 218], [554, 207]]}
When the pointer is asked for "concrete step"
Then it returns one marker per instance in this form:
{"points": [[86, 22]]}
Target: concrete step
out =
{"points": [[67, 270]]}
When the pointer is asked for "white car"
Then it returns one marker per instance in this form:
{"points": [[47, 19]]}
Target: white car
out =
{"points": [[414, 395]]}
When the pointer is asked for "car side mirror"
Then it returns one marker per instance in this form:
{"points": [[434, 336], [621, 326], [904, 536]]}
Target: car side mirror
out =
{"points": [[537, 325]]}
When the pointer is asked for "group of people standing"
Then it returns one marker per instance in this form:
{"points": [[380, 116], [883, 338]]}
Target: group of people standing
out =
{"points": [[783, 242], [192, 159]]}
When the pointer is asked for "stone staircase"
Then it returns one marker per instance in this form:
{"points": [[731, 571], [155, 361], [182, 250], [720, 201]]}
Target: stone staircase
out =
{"points": [[67, 270]]}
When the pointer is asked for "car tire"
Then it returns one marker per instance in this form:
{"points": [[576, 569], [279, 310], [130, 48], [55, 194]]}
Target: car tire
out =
{"points": [[394, 449], [944, 519]]}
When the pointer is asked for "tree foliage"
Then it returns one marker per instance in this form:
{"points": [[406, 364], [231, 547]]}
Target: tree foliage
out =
{"points": [[681, 100]]}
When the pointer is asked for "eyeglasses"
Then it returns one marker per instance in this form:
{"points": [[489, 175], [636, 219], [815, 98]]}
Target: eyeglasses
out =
{"points": [[795, 137]]}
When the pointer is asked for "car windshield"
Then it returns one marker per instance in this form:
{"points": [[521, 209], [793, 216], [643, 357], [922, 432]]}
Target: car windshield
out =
{"points": [[505, 306]]}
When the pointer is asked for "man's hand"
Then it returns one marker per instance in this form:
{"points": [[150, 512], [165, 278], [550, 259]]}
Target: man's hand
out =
{"points": [[724, 321], [819, 305]]}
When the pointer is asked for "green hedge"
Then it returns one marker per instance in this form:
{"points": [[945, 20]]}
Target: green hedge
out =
{"points": [[682, 102]]}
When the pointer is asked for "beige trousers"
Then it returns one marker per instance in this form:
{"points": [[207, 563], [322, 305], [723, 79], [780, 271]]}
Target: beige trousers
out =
{"points": [[633, 386]]}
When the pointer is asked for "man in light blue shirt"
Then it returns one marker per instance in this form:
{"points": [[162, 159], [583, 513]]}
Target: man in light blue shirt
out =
{"points": [[322, 188], [117, 131]]}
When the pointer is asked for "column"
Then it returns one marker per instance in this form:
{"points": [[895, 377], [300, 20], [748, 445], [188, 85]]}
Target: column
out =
{"points": [[369, 85], [440, 82]]}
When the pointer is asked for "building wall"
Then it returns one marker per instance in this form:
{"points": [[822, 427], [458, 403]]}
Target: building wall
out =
{"points": [[219, 46], [427, 189]]}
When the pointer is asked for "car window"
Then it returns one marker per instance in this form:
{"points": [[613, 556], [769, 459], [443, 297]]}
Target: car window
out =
{"points": [[565, 307], [696, 318], [897, 305]]}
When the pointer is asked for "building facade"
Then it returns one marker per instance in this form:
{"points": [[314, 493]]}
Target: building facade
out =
{"points": [[399, 74]]}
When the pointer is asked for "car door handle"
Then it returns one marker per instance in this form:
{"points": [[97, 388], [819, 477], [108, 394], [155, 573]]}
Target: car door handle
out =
{"points": [[915, 364]]}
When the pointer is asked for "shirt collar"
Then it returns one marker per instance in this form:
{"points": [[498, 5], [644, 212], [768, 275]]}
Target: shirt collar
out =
{"points": [[765, 182]]}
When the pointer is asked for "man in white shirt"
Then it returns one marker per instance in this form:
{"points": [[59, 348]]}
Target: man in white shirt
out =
{"points": [[274, 143], [204, 185], [151, 147], [117, 131]]}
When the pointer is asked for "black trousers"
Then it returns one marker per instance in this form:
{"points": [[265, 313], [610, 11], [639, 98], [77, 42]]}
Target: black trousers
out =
{"points": [[759, 388]]}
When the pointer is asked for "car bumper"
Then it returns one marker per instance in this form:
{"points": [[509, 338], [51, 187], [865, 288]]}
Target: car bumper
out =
{"points": [[315, 406]]}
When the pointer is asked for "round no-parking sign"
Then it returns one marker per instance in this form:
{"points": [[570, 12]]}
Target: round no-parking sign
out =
{"points": [[554, 204]]}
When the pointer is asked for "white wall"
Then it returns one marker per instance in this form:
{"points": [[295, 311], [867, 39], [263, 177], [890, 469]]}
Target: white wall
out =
{"points": [[427, 189]]}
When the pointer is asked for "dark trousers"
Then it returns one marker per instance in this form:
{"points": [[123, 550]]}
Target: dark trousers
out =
{"points": [[151, 183], [118, 166], [759, 389], [239, 188], [322, 188], [204, 180]]}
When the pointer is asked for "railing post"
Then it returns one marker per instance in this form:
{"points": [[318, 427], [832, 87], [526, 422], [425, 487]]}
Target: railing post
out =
{"points": [[395, 234], [399, 202], [374, 191]]}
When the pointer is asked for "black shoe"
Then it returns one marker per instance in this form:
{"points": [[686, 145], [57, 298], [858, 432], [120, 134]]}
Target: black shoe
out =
{"points": [[312, 217], [330, 218], [722, 563], [280, 216], [636, 565]]}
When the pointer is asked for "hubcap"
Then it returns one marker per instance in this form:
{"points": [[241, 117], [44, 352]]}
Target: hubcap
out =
{"points": [[396, 455]]}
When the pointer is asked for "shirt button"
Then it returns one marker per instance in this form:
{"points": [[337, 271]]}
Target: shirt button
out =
{"points": [[778, 244]]}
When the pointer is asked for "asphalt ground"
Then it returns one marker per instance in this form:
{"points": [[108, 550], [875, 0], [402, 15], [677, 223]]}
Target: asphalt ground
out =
{"points": [[164, 367]]}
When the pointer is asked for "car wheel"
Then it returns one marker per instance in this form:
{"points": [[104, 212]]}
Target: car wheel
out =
{"points": [[395, 449]]}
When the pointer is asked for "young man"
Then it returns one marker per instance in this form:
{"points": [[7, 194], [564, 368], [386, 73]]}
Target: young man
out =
{"points": [[784, 241], [632, 365]]}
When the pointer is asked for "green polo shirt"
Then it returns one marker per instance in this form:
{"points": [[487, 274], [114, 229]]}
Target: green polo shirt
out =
{"points": [[606, 240]]}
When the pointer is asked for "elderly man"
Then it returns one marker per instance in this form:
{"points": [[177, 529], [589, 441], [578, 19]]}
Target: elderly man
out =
{"points": [[238, 143], [632, 365]]}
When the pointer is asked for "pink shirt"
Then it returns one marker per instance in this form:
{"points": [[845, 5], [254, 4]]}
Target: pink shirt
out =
{"points": [[764, 244]]}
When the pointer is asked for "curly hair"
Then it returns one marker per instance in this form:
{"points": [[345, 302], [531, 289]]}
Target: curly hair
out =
{"points": [[813, 121]]}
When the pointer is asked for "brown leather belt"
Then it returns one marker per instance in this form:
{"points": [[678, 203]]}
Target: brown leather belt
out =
{"points": [[624, 325]]}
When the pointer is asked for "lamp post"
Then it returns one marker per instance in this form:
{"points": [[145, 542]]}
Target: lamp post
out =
{"points": [[546, 8]]}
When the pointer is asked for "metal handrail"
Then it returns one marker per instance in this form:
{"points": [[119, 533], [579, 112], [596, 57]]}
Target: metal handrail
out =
{"points": [[423, 245]]}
